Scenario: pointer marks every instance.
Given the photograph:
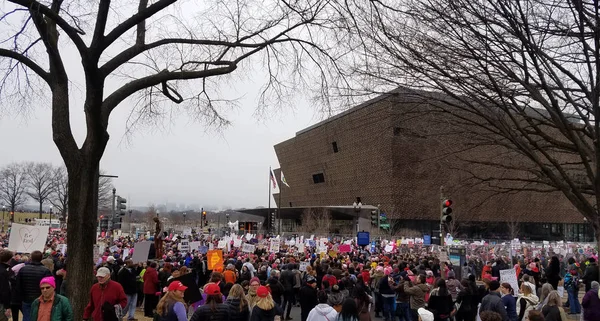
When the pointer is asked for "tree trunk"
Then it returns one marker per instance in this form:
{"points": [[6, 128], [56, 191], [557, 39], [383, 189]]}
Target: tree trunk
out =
{"points": [[41, 209], [81, 235]]}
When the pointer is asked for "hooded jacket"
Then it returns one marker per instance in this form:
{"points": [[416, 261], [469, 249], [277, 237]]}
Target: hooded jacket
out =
{"points": [[525, 304], [322, 312]]}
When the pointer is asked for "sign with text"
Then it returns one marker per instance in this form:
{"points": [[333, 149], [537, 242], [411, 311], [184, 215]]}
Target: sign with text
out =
{"points": [[510, 276], [248, 248], [140, 252], [214, 259], [274, 246], [363, 238], [26, 238], [303, 266]]}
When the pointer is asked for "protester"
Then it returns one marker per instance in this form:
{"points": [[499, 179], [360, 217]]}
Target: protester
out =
{"points": [[591, 274], [526, 302], [493, 301], [106, 297], [508, 299], [50, 305], [591, 303], [126, 276], [171, 306], [265, 308], [553, 311], [238, 305], [214, 309], [308, 297], [28, 282], [151, 290], [6, 276], [323, 311]]}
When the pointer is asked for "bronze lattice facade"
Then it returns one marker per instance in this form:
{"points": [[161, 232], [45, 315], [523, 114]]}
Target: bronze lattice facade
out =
{"points": [[388, 151]]}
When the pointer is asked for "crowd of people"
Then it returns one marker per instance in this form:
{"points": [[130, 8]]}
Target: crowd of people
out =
{"points": [[358, 285]]}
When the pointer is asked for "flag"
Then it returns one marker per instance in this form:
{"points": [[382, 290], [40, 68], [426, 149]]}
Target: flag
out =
{"points": [[283, 180], [272, 178]]}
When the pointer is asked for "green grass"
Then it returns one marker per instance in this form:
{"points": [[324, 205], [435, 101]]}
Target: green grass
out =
{"points": [[20, 217]]}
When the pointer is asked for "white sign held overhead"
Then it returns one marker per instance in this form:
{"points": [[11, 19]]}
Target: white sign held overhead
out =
{"points": [[510, 276], [274, 246], [248, 248], [237, 242], [26, 238], [303, 266], [222, 245], [187, 231], [184, 246], [140, 252]]}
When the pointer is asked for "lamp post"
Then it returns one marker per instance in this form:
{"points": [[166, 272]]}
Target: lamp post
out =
{"points": [[184, 214], [3, 212], [357, 209], [50, 228]]}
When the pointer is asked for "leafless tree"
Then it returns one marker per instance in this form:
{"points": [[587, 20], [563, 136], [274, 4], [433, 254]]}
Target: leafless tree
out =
{"points": [[177, 60], [105, 188], [60, 191], [39, 182], [13, 183], [316, 221], [521, 75]]}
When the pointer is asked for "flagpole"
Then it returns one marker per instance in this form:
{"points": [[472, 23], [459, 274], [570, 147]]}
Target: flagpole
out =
{"points": [[279, 202], [269, 213]]}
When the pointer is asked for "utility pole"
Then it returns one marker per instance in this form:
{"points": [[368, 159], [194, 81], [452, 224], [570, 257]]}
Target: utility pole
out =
{"points": [[441, 215], [112, 218]]}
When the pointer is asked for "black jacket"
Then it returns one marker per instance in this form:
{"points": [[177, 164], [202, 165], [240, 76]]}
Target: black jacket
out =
{"points": [[203, 313], [287, 280], [234, 311], [127, 279], [591, 274], [307, 298], [259, 314], [5, 286], [28, 281]]}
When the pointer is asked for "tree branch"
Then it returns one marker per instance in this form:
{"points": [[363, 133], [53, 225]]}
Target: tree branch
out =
{"points": [[27, 62], [101, 20]]}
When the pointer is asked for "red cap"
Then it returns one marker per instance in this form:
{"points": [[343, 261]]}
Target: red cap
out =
{"points": [[174, 286], [262, 291], [212, 289]]}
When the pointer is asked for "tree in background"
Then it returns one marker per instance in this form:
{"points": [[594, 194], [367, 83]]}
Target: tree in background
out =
{"points": [[39, 182], [521, 77], [60, 191], [13, 183]]}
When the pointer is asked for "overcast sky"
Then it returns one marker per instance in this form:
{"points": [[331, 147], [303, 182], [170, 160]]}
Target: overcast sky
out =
{"points": [[181, 163]]}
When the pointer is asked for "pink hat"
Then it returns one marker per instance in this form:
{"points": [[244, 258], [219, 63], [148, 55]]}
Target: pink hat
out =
{"points": [[49, 280]]}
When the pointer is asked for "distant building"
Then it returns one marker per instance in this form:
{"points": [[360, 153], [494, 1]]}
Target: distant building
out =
{"points": [[391, 151]]}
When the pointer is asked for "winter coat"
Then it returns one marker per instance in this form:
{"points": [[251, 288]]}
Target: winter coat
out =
{"points": [[151, 283], [322, 312], [61, 309], [591, 274], [454, 287], [28, 281], [308, 298], [204, 313], [417, 295], [551, 313], [493, 302], [511, 307], [127, 278], [234, 311], [591, 306], [110, 292], [259, 314], [5, 287], [525, 304]]}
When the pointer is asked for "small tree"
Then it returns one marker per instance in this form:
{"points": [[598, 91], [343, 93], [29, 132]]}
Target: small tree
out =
{"points": [[13, 183], [39, 182], [60, 191]]}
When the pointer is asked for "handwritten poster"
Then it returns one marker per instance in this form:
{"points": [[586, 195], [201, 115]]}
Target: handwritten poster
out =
{"points": [[510, 276], [26, 238], [248, 248], [303, 266], [214, 259], [274, 246]]}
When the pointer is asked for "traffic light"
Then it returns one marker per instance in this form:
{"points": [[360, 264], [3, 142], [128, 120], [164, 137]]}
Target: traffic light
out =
{"points": [[204, 220], [117, 223], [12, 216], [273, 221], [383, 222], [103, 223], [446, 216], [374, 219], [121, 207]]}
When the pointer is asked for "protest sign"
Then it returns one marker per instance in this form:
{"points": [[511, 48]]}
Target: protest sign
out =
{"points": [[184, 246], [300, 247], [194, 246], [274, 246], [140, 252], [237, 242], [214, 259], [248, 248], [345, 248], [510, 276], [222, 245], [303, 266], [125, 253], [203, 249], [26, 238], [187, 231]]}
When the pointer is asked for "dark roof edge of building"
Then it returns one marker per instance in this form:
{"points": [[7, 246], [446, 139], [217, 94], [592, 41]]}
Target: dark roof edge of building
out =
{"points": [[357, 107]]}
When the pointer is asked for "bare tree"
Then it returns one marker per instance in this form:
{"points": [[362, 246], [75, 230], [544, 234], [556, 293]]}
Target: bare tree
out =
{"points": [[39, 182], [60, 191], [13, 183], [105, 193], [176, 61], [316, 221], [526, 84]]}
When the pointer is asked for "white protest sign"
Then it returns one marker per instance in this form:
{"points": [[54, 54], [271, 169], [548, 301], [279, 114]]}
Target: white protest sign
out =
{"points": [[140, 252], [510, 276], [248, 248], [26, 238], [184, 246], [300, 247], [303, 266], [125, 253], [222, 244], [237, 243], [322, 249], [63, 248], [194, 246], [389, 248], [274, 246], [248, 236], [113, 249]]}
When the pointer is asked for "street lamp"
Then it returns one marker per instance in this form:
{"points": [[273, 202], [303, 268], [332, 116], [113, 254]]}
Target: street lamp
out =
{"points": [[184, 214], [357, 208], [50, 228], [3, 212]]}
